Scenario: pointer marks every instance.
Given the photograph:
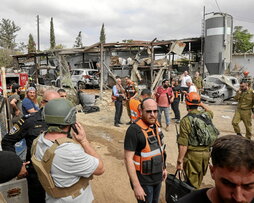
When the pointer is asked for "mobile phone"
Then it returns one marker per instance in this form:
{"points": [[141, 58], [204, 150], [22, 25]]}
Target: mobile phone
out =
{"points": [[74, 128]]}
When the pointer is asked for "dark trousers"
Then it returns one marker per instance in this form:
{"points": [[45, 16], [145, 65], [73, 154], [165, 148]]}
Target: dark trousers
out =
{"points": [[182, 94], [36, 192], [152, 193], [175, 108], [119, 110]]}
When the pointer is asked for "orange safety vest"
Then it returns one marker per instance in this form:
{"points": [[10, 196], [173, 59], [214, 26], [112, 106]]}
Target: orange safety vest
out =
{"points": [[134, 104], [151, 159]]}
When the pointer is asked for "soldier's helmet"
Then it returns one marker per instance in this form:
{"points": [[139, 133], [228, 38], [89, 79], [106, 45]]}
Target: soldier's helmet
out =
{"points": [[193, 98], [59, 112]]}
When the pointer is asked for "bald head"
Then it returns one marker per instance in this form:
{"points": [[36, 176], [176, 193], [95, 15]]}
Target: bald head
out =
{"points": [[49, 95], [149, 111]]}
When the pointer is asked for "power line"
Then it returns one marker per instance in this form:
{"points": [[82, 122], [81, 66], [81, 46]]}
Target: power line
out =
{"points": [[217, 5]]}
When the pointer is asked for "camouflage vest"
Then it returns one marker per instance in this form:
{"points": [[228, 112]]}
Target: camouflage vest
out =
{"points": [[203, 132]]}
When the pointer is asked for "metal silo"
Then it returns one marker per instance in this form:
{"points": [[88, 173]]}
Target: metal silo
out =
{"points": [[218, 42]]}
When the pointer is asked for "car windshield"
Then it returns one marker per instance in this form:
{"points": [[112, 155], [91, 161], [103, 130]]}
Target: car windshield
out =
{"points": [[213, 80]]}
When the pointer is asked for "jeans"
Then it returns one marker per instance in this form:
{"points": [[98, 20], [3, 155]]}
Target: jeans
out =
{"points": [[119, 110], [166, 113], [152, 193], [175, 108]]}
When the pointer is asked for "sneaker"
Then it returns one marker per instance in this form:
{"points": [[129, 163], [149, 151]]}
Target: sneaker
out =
{"points": [[120, 122], [177, 121], [117, 125]]}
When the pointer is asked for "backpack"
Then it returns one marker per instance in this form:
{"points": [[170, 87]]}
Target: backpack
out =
{"points": [[203, 132]]}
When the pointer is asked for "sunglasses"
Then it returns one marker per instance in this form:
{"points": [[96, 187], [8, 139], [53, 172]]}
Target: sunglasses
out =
{"points": [[150, 111]]}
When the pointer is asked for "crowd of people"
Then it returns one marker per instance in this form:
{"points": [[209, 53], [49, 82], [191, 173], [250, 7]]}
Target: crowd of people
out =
{"points": [[60, 160]]}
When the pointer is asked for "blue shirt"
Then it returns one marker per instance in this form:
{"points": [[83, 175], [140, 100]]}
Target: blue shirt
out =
{"points": [[115, 91], [28, 104]]}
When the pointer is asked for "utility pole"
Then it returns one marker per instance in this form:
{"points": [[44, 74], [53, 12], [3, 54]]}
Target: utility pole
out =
{"points": [[202, 44], [38, 32]]}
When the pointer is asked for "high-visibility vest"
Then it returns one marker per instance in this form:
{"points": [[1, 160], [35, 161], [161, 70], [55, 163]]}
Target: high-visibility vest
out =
{"points": [[43, 169], [151, 159], [134, 108]]}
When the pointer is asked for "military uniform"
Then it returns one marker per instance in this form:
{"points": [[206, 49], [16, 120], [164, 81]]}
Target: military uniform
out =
{"points": [[243, 112], [196, 159], [198, 81], [29, 127]]}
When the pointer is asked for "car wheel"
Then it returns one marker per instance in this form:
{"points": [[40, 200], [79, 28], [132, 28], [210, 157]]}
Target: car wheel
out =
{"points": [[81, 85]]}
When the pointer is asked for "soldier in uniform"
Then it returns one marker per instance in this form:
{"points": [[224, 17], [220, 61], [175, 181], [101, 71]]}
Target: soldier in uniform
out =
{"points": [[131, 91], [198, 81], [192, 158], [29, 127], [247, 78], [245, 99]]}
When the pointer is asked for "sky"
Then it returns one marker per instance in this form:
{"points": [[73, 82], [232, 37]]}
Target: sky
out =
{"points": [[123, 19]]}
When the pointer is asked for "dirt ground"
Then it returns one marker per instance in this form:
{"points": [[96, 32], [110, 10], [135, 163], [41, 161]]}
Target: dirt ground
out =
{"points": [[113, 186]]}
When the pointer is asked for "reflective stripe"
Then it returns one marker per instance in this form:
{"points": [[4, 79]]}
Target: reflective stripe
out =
{"points": [[152, 153], [133, 113], [137, 163]]}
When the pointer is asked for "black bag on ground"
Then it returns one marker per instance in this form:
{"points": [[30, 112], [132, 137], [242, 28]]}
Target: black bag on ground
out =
{"points": [[176, 187], [91, 109]]}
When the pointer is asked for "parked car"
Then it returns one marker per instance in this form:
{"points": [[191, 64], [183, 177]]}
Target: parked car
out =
{"points": [[83, 78], [218, 88]]}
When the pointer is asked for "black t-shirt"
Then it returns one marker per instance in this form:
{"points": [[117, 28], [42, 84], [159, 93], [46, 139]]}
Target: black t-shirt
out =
{"points": [[196, 196], [135, 141]]}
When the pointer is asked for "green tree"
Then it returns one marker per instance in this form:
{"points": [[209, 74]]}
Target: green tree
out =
{"points": [[22, 47], [31, 47], [52, 35], [5, 57], [102, 34], [242, 39], [78, 41], [59, 46], [7, 33]]}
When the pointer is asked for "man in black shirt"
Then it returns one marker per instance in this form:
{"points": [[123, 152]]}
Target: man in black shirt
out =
{"points": [[145, 154], [30, 127], [232, 170]]}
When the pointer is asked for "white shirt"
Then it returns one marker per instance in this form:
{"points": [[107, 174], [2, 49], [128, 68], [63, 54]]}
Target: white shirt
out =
{"points": [[183, 82], [193, 88], [69, 164]]}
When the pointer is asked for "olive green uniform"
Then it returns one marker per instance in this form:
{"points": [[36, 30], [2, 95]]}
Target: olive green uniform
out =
{"points": [[198, 81], [196, 159], [243, 112]]}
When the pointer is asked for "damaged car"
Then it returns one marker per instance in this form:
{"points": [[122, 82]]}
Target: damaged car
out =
{"points": [[218, 88]]}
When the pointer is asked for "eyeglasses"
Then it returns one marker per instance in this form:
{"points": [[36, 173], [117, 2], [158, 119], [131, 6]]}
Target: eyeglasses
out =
{"points": [[63, 96], [150, 111]]}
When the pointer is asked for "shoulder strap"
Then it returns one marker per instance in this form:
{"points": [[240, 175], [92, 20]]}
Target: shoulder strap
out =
{"points": [[50, 152]]}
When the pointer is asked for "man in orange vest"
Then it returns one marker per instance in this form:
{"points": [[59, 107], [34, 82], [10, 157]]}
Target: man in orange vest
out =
{"points": [[144, 153], [131, 91], [135, 104]]}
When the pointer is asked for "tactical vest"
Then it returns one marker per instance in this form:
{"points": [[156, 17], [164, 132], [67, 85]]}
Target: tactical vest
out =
{"points": [[43, 169], [151, 159], [134, 104], [203, 132]]}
